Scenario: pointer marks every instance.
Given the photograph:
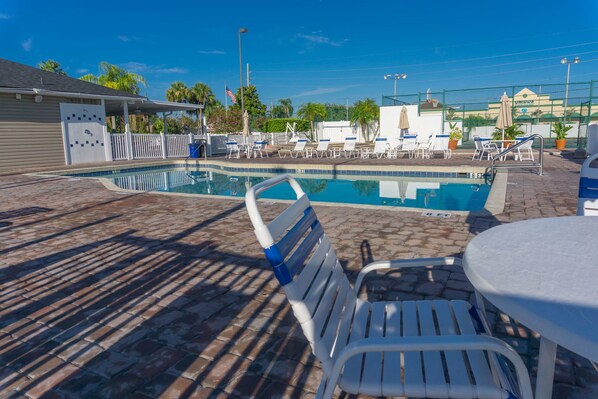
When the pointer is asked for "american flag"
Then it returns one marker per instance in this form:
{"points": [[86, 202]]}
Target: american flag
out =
{"points": [[231, 95]]}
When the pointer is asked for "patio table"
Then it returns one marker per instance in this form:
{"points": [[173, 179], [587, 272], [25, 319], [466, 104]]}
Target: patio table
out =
{"points": [[542, 272]]}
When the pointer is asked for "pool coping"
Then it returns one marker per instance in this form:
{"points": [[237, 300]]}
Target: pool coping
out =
{"points": [[494, 205]]}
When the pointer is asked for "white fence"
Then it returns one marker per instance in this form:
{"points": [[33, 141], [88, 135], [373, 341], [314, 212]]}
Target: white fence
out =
{"points": [[142, 146], [157, 181]]}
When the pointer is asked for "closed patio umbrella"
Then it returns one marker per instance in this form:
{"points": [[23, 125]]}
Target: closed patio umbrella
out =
{"points": [[505, 118], [245, 123], [404, 119]]}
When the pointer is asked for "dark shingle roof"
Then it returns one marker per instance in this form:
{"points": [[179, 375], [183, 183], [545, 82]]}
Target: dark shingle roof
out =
{"points": [[18, 76]]}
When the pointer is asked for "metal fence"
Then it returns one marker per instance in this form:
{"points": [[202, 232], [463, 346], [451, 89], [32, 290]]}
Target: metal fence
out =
{"points": [[532, 105]]}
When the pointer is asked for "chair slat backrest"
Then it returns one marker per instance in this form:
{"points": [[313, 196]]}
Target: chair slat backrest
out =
{"points": [[232, 145], [323, 145], [380, 145], [260, 145], [409, 142], [300, 145], [350, 143], [587, 203], [525, 146], [306, 266], [441, 142]]}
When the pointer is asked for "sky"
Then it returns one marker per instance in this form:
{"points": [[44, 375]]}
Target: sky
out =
{"points": [[316, 51]]}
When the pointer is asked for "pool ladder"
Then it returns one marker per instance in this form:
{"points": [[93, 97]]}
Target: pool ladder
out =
{"points": [[539, 164]]}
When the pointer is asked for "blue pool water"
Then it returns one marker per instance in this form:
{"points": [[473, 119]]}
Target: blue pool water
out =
{"points": [[403, 189]]}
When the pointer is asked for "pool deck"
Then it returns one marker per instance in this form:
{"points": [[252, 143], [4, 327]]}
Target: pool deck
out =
{"points": [[134, 295]]}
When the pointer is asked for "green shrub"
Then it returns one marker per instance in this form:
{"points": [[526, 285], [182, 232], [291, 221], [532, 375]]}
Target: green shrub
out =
{"points": [[280, 124]]}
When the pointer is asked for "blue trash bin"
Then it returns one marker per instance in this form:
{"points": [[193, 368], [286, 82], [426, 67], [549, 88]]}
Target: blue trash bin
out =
{"points": [[194, 150]]}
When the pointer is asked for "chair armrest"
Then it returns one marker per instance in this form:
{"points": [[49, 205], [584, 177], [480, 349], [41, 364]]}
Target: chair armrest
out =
{"points": [[431, 343], [490, 146], [404, 263]]}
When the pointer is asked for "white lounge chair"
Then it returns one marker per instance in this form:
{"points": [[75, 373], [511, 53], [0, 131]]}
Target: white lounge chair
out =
{"points": [[441, 143], [233, 149], [348, 149], [587, 203], [409, 145], [524, 152], [295, 152], [428, 348], [259, 147], [381, 148], [322, 149], [424, 147]]}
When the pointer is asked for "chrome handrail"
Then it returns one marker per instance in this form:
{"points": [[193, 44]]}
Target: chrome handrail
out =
{"points": [[539, 164]]}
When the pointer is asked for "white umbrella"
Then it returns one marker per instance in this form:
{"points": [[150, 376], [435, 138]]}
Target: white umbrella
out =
{"points": [[505, 118], [404, 119]]}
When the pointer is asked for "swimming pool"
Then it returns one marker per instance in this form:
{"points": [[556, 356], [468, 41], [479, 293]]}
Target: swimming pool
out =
{"points": [[432, 190]]}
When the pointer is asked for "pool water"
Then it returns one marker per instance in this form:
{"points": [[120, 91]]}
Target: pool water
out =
{"points": [[453, 194]]}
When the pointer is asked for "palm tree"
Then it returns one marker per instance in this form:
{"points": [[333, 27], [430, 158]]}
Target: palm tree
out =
{"points": [[311, 111], [178, 92], [287, 106], [365, 112], [51, 66], [116, 78], [201, 93]]}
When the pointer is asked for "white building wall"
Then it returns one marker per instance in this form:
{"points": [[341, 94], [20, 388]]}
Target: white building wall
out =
{"points": [[423, 125]]}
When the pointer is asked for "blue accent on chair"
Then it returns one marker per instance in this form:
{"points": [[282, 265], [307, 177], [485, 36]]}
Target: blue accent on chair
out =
{"points": [[473, 311], [410, 136], [380, 139], [277, 262], [588, 188], [288, 242], [443, 136], [324, 139], [350, 138]]}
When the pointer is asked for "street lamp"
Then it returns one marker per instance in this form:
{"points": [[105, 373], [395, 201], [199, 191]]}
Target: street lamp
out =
{"points": [[576, 60], [395, 77], [242, 30]]}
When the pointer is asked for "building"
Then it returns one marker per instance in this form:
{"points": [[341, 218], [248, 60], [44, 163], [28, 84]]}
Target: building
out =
{"points": [[47, 119]]}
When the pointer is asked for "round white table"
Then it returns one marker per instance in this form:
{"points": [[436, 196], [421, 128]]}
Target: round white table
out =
{"points": [[544, 274]]}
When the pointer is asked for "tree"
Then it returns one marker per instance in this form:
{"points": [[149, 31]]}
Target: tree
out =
{"points": [[364, 113], [284, 109], [311, 111], [178, 92], [338, 112], [51, 66], [201, 93], [116, 78], [251, 100], [222, 121]]}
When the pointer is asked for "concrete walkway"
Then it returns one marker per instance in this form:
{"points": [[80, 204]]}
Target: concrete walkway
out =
{"points": [[115, 295]]}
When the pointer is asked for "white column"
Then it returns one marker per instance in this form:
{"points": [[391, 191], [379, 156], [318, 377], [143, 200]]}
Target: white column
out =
{"points": [[209, 144], [163, 142], [190, 138], [107, 137], [128, 137]]}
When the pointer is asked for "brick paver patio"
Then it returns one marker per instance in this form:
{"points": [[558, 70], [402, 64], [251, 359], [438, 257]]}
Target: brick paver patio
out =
{"points": [[115, 295]]}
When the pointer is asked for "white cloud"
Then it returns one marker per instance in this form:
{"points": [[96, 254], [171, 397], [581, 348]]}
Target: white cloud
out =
{"points": [[140, 67], [82, 71], [319, 39], [216, 52], [5, 16], [125, 39], [321, 90], [27, 44]]}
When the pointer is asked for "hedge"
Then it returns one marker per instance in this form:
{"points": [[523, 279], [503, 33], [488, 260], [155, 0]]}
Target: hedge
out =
{"points": [[280, 124]]}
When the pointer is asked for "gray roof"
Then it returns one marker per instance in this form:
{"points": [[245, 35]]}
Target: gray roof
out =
{"points": [[18, 76]]}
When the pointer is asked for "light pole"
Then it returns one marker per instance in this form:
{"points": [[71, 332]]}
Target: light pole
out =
{"points": [[242, 30], [576, 60], [395, 77]]}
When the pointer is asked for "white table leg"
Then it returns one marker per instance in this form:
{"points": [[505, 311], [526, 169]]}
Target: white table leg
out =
{"points": [[546, 361]]}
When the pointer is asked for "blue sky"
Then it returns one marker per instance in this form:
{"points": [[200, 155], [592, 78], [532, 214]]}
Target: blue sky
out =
{"points": [[319, 51]]}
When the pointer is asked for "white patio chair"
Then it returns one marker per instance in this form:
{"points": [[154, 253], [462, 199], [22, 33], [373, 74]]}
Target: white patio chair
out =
{"points": [[587, 203], [409, 145], [428, 348], [259, 147], [322, 149], [484, 146], [348, 149], [441, 143], [295, 152], [232, 148], [524, 152], [380, 150]]}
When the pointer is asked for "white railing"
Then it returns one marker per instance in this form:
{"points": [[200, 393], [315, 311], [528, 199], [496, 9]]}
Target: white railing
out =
{"points": [[146, 146], [119, 146], [157, 181], [177, 145]]}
